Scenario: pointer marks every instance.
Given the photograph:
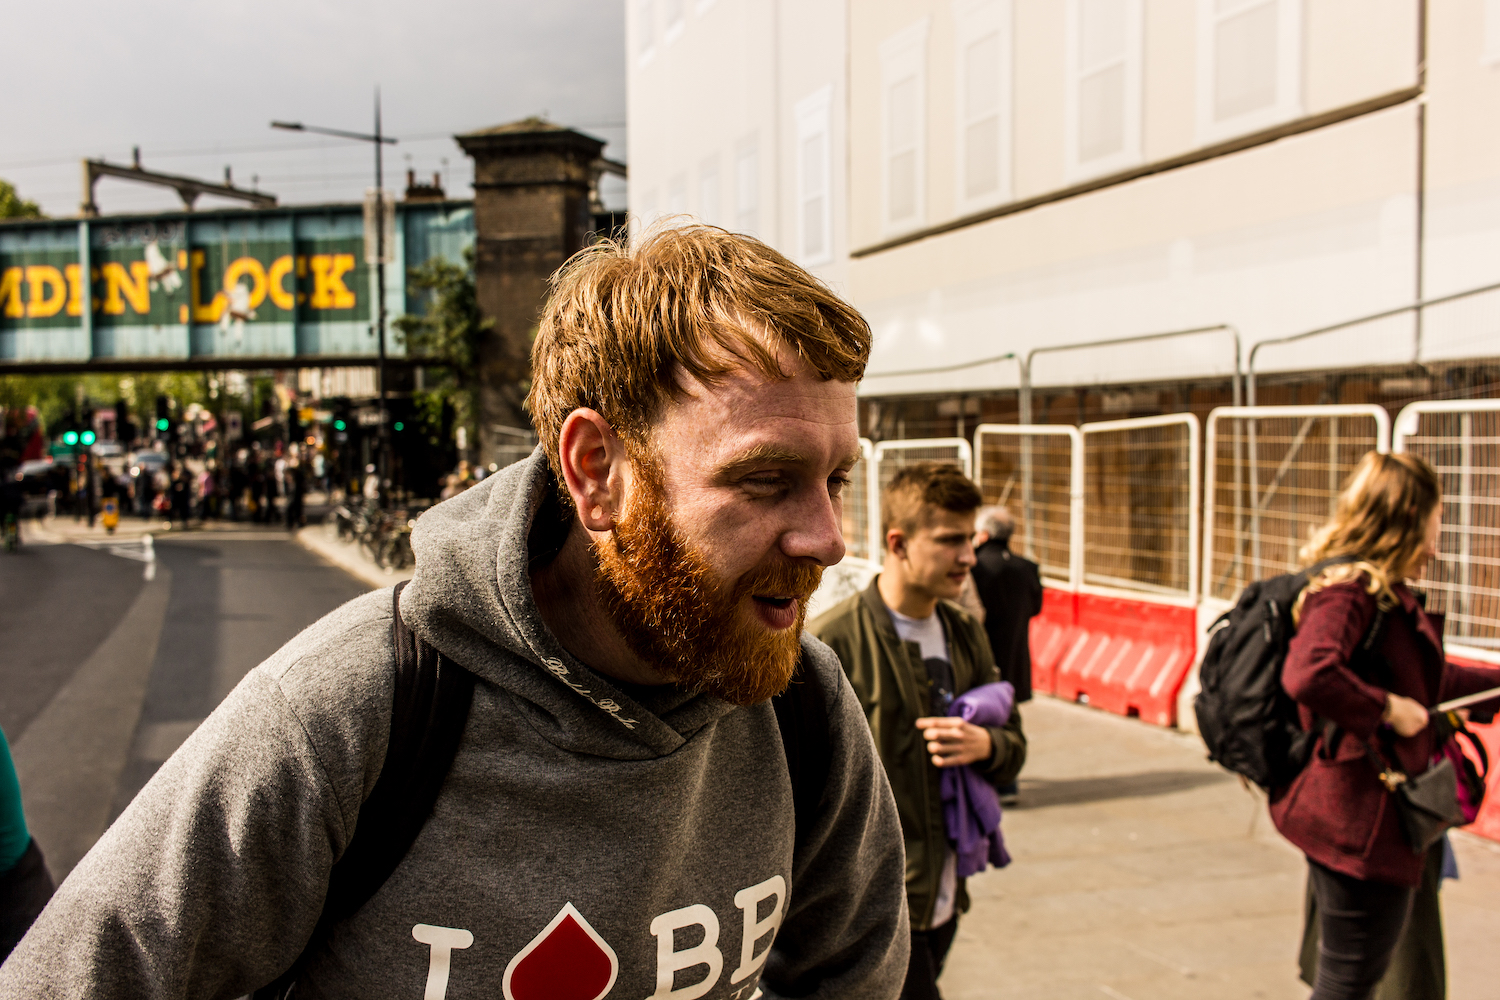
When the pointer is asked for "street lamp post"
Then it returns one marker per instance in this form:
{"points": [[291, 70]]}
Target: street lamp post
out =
{"points": [[380, 140]]}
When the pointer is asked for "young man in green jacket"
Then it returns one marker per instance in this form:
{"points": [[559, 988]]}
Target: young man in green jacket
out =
{"points": [[909, 652]]}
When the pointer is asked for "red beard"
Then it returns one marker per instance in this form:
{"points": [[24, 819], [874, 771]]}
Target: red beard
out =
{"points": [[664, 600]]}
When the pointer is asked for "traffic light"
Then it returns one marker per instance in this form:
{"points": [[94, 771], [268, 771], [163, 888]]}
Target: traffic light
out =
{"points": [[86, 438], [163, 421], [124, 429], [70, 437]]}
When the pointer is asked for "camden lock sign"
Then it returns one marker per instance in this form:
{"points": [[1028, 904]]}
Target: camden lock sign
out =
{"points": [[245, 285], [161, 283]]}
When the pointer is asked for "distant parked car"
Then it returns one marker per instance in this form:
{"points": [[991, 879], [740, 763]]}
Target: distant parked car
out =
{"points": [[40, 480]]}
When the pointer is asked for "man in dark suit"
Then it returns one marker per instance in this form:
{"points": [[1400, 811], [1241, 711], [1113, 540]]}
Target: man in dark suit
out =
{"points": [[1010, 588]]}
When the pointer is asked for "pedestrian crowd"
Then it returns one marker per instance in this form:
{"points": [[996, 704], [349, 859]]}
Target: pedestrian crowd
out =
{"points": [[593, 747], [259, 484]]}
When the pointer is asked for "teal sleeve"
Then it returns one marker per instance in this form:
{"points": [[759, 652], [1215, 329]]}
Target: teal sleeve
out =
{"points": [[13, 835]]}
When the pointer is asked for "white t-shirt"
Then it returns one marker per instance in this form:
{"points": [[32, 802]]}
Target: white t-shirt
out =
{"points": [[928, 634]]}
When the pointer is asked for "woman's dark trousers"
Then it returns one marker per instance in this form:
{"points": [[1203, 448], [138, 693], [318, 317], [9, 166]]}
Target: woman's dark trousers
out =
{"points": [[1360, 922]]}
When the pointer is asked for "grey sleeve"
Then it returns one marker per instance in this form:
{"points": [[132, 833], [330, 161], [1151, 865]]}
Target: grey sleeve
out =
{"points": [[846, 932], [211, 881]]}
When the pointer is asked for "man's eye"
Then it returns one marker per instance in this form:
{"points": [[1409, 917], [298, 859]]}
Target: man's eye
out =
{"points": [[764, 483], [838, 484]]}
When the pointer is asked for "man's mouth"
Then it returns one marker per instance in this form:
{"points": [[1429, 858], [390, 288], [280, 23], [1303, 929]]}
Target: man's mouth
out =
{"points": [[776, 610], [776, 602]]}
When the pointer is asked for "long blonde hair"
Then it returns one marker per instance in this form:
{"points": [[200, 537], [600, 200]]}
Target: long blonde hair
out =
{"points": [[1380, 520]]}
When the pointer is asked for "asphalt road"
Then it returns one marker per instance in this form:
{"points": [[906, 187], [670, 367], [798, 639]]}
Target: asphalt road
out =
{"points": [[105, 673]]}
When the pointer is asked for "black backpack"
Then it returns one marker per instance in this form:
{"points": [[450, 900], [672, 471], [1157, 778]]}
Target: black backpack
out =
{"points": [[429, 708], [1248, 721]]}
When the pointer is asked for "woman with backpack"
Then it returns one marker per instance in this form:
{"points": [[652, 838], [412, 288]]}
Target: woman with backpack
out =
{"points": [[1363, 666]]}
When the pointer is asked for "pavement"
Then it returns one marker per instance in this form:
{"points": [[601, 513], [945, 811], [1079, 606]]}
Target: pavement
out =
{"points": [[323, 540], [1143, 872]]}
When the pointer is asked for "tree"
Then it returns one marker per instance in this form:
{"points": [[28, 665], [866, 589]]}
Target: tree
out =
{"points": [[446, 338], [13, 207]]}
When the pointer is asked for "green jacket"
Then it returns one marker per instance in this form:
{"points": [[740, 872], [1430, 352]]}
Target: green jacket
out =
{"points": [[891, 681]]}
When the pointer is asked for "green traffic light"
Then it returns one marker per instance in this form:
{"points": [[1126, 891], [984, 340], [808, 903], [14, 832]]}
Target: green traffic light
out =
{"points": [[339, 425], [163, 424], [70, 438], [87, 437], [400, 426]]}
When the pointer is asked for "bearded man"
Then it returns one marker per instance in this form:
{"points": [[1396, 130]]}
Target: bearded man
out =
{"points": [[618, 819]]}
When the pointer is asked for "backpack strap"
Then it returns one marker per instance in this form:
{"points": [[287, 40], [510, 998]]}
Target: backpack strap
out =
{"points": [[802, 717], [430, 703], [1333, 734]]}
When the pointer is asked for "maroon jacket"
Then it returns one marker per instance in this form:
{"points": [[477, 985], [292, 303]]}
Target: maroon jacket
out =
{"points": [[1336, 810]]}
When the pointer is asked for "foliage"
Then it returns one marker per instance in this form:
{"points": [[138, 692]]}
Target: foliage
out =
{"points": [[13, 207], [446, 337], [56, 396]]}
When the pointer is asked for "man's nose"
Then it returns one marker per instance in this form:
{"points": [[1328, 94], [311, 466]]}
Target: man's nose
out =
{"points": [[966, 556], [816, 532]]}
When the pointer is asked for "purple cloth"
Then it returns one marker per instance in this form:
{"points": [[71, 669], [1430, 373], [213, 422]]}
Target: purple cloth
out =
{"points": [[971, 809]]}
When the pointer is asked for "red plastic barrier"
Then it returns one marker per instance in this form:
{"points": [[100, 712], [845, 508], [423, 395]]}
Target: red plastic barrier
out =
{"points": [[1488, 822], [1129, 656], [1052, 633]]}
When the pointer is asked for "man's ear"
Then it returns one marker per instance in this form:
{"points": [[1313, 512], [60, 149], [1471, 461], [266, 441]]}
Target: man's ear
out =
{"points": [[895, 543], [594, 464]]}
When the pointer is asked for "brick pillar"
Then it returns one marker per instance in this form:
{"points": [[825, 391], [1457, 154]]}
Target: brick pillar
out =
{"points": [[531, 213]]}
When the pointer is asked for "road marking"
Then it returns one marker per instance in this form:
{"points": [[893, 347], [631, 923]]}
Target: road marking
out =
{"points": [[70, 758]]}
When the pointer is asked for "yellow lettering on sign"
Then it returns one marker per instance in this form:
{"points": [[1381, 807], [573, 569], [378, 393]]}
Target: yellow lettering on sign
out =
{"points": [[75, 289], [248, 267], [329, 290], [134, 285], [203, 312], [10, 291], [48, 292], [275, 283]]}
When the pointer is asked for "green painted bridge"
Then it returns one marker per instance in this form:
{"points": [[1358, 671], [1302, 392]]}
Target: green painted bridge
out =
{"points": [[237, 288]]}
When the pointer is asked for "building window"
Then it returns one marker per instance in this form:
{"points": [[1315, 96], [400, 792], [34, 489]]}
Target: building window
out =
{"points": [[672, 14], [814, 178], [747, 187], [708, 191], [903, 73], [983, 42], [1249, 65], [645, 29], [1103, 86]]}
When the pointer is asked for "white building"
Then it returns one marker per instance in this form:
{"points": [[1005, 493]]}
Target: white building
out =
{"points": [[987, 177]]}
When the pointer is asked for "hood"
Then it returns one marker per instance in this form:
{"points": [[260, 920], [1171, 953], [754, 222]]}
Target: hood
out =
{"points": [[470, 597]]}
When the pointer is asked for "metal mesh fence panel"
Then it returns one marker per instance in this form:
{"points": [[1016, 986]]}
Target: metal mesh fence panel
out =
{"points": [[892, 456], [1140, 498], [1462, 443], [856, 512], [1275, 475], [1030, 473]]}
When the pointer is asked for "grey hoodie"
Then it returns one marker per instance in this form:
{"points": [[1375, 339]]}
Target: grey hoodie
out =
{"points": [[585, 844]]}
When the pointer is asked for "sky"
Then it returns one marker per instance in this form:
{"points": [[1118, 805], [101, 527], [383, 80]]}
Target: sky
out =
{"points": [[196, 85]]}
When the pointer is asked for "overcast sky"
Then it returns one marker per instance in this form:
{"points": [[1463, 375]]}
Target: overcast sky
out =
{"points": [[195, 85]]}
